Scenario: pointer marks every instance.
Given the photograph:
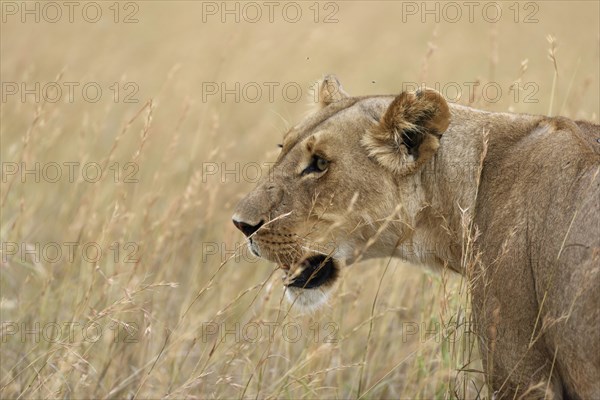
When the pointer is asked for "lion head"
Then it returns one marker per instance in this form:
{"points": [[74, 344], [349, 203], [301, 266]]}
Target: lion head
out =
{"points": [[332, 196]]}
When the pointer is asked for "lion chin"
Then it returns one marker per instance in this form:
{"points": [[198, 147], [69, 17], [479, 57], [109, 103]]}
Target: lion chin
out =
{"points": [[308, 300]]}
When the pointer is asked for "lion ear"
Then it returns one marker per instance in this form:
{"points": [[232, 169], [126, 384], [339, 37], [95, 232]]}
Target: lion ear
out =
{"points": [[329, 90], [409, 132]]}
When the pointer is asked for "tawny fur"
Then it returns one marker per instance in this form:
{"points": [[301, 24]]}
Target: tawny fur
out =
{"points": [[529, 184]]}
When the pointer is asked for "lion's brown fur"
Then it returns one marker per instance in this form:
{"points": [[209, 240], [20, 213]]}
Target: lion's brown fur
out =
{"points": [[408, 173]]}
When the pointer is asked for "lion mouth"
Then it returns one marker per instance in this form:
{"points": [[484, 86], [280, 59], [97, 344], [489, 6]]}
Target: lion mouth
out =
{"points": [[313, 272]]}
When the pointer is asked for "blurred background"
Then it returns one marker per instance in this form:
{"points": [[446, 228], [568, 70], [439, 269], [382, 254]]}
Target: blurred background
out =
{"points": [[129, 131]]}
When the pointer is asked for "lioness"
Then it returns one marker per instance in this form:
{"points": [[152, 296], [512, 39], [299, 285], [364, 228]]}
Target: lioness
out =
{"points": [[512, 201]]}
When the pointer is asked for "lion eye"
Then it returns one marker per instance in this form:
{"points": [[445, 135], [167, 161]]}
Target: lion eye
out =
{"points": [[317, 164], [321, 164]]}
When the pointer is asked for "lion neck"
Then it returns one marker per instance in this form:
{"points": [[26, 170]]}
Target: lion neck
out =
{"points": [[442, 215]]}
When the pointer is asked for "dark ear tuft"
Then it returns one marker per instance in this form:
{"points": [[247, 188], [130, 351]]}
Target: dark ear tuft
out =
{"points": [[412, 139], [409, 132]]}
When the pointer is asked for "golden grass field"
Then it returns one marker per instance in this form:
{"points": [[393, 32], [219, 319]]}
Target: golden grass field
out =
{"points": [[174, 306]]}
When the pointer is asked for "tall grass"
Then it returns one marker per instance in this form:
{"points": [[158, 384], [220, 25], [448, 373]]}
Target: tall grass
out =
{"points": [[176, 306]]}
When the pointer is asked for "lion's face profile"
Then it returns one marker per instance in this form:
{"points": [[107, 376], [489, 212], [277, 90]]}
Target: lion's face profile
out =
{"points": [[327, 201]]}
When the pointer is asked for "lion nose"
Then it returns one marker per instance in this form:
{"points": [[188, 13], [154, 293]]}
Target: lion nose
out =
{"points": [[246, 228]]}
